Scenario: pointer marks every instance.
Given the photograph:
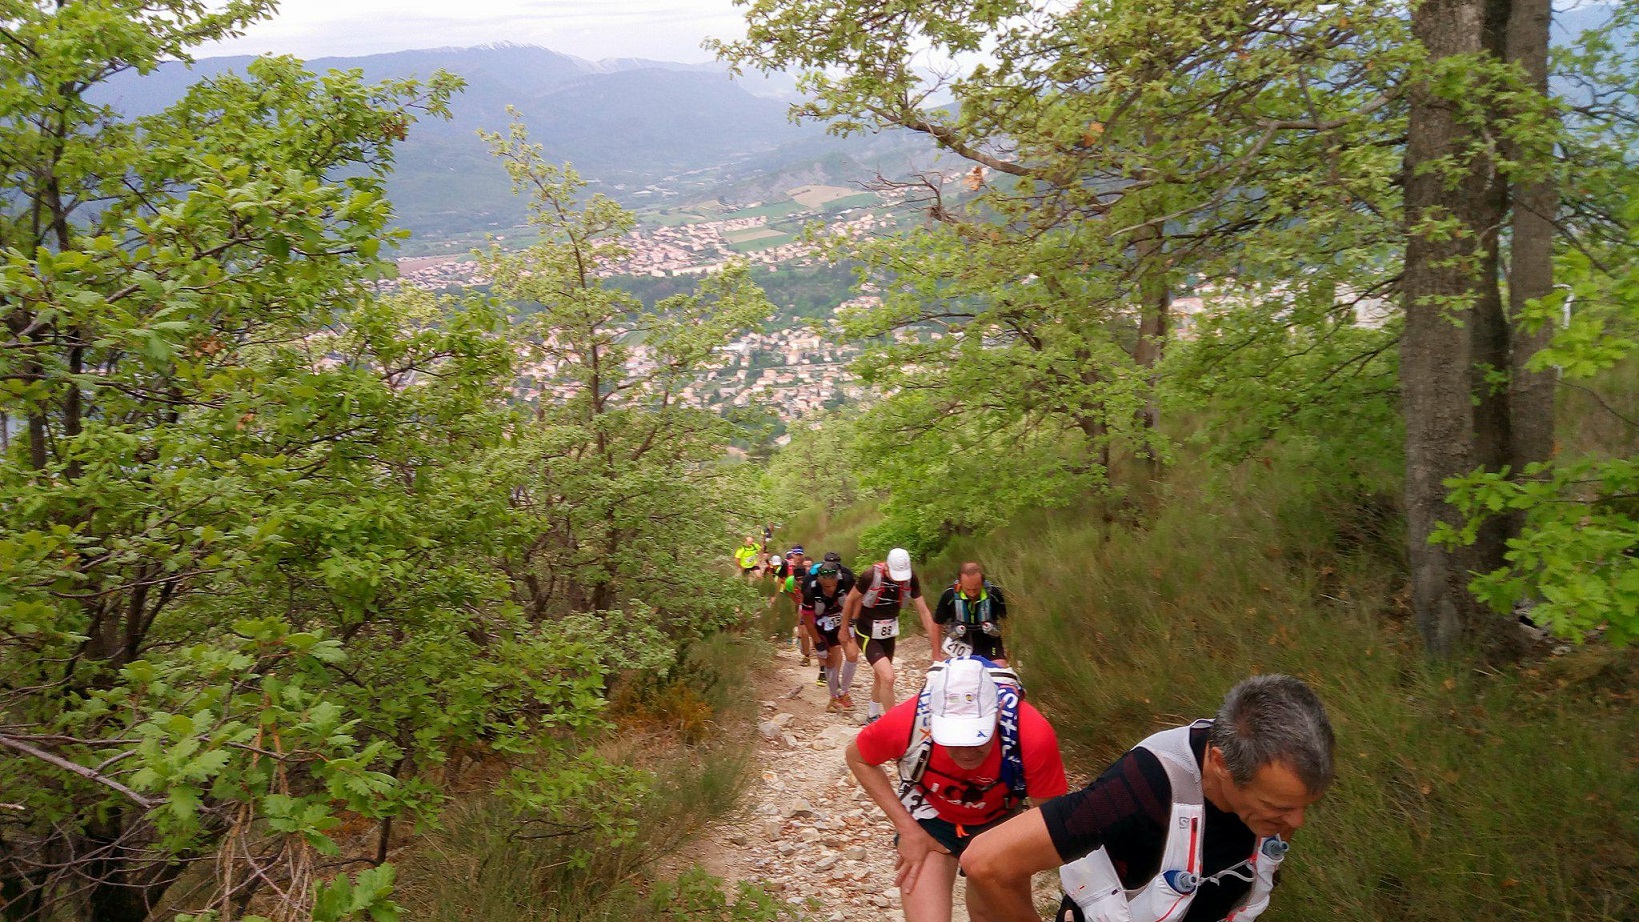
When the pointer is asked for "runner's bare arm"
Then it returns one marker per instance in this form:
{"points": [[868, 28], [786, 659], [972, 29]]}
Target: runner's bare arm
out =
{"points": [[999, 864], [914, 842], [927, 625], [808, 618]]}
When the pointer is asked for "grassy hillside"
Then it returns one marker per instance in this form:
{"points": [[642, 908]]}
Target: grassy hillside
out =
{"points": [[1463, 792]]}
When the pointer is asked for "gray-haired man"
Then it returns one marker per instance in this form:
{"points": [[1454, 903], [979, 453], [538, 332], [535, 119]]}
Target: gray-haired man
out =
{"points": [[1189, 826]]}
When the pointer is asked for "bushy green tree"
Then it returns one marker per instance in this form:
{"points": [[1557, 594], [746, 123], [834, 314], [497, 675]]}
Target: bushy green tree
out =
{"points": [[205, 447], [623, 478], [819, 465], [1113, 155], [254, 566]]}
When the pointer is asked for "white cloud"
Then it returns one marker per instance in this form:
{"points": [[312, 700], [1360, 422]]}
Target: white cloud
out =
{"points": [[669, 30]]}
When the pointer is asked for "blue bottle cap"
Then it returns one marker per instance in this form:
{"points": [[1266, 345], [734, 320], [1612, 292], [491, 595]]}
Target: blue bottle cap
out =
{"points": [[1181, 882]]}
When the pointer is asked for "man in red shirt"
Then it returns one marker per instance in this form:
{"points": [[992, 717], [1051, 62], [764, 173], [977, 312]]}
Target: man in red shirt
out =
{"points": [[969, 753]]}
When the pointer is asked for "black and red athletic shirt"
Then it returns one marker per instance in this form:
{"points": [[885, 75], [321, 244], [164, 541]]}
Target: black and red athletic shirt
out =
{"points": [[893, 596], [1127, 811]]}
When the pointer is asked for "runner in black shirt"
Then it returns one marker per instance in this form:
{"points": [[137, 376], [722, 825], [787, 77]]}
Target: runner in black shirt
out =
{"points": [[1125, 812], [971, 612], [823, 600], [872, 618], [1254, 770]]}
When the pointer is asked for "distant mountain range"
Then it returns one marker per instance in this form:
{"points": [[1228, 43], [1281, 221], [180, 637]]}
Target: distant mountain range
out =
{"points": [[646, 132], [643, 131]]}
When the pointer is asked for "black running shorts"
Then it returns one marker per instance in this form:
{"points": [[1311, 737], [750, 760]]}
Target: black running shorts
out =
{"points": [[876, 649]]}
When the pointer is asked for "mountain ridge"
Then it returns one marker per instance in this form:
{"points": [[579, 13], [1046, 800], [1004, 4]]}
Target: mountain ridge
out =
{"points": [[631, 126]]}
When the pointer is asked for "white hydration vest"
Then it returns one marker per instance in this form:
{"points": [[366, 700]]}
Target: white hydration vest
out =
{"points": [[919, 747], [1092, 882]]}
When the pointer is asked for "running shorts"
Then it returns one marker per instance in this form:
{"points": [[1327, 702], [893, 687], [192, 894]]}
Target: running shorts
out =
{"points": [[955, 838], [875, 649], [988, 646]]}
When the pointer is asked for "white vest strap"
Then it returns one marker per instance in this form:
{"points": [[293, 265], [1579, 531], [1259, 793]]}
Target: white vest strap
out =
{"points": [[1092, 882]]}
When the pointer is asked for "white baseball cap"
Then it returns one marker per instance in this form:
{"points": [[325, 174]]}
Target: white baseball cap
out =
{"points": [[899, 563], [962, 703]]}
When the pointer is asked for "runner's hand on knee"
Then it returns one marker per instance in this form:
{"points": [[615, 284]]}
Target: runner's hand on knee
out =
{"points": [[914, 849]]}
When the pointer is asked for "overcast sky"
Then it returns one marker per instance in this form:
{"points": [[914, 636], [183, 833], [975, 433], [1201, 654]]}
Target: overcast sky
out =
{"points": [[666, 30]]}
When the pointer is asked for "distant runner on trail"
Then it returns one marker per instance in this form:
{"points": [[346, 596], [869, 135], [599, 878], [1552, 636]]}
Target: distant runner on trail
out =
{"points": [[780, 568], [845, 580], [971, 612], [746, 556], [823, 600], [796, 578], [789, 575], [872, 616], [1191, 825], [969, 751]]}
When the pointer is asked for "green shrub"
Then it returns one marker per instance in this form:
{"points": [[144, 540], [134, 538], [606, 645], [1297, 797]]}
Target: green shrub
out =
{"points": [[1461, 794]]}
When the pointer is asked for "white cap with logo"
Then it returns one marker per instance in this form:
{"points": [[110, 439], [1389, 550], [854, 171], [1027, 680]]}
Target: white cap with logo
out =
{"points": [[962, 703], [899, 563]]}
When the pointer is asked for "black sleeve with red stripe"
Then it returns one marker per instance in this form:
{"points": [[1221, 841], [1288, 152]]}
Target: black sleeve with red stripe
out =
{"points": [[1124, 812]]}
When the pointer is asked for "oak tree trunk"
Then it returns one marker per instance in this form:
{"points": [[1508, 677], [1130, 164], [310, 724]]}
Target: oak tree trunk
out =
{"points": [[1449, 279], [1531, 263]]}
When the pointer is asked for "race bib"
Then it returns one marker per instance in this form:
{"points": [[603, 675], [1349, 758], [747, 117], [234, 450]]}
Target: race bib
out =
{"points": [[954, 647], [828, 623], [885, 629]]}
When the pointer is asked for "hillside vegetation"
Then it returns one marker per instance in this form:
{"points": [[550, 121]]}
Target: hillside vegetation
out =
{"points": [[1462, 792], [1290, 335]]}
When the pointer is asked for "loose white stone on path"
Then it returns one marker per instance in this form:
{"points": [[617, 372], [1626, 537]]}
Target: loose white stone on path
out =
{"points": [[806, 831]]}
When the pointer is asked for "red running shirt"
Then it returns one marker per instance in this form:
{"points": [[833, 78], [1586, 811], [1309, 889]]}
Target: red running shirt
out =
{"points": [[968, 797]]}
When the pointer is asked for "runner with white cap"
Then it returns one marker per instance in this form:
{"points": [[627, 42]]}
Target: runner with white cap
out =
{"points": [[872, 616], [970, 751]]}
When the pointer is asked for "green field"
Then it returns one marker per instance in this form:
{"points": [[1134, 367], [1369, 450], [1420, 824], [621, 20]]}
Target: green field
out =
{"points": [[676, 218], [762, 243], [768, 210]]}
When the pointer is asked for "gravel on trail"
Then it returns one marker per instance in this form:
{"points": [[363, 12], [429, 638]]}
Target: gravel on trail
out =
{"points": [[804, 828]]}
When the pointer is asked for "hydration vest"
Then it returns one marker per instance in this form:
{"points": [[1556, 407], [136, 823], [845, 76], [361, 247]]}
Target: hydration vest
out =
{"points": [[826, 604], [974, 611], [880, 594], [919, 748], [1092, 882]]}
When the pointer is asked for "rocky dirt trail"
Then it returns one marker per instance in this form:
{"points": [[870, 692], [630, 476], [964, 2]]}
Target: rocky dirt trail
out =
{"points": [[805, 829]]}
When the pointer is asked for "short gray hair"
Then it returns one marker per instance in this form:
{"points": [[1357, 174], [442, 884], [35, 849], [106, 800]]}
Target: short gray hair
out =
{"points": [[1275, 718]]}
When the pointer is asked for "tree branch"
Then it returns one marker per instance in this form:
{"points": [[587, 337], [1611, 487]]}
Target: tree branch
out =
{"points": [[76, 768]]}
